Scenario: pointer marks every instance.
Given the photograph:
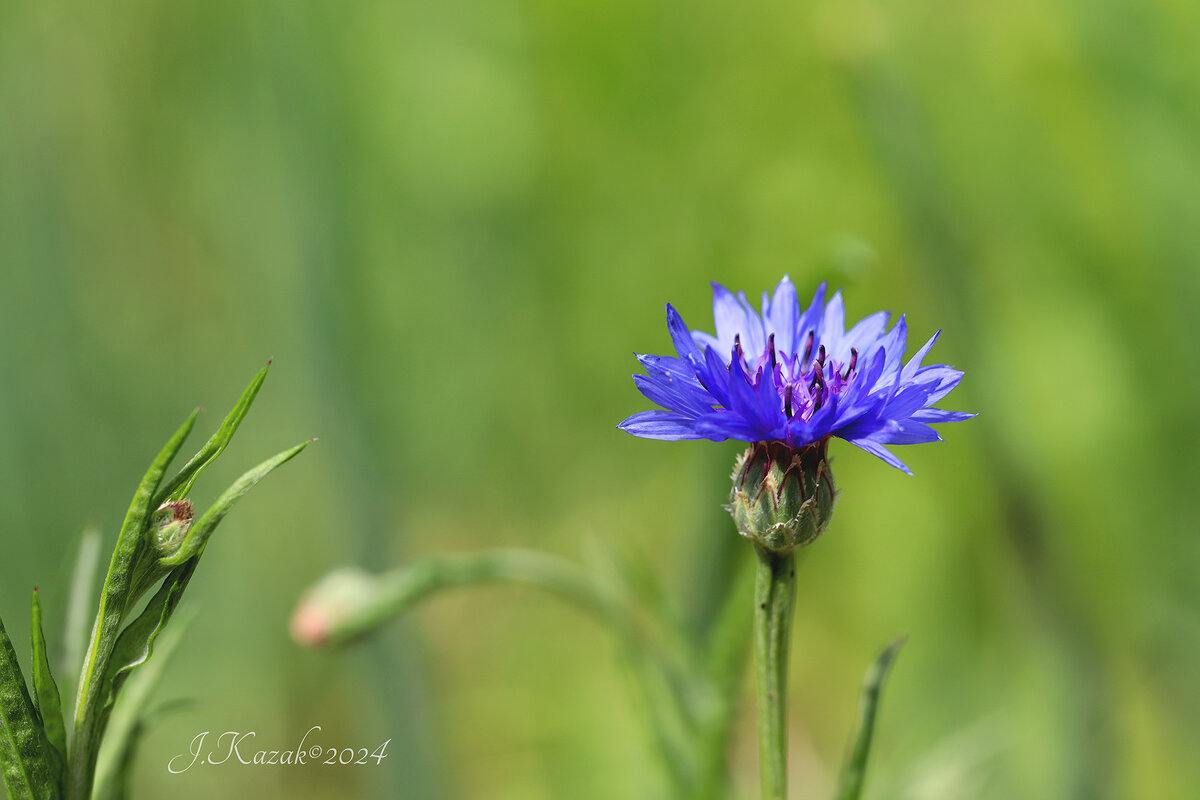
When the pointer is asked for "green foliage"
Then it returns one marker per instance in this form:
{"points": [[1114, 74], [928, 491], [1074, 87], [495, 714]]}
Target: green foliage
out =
{"points": [[686, 696], [31, 768], [687, 685], [36, 760], [45, 690]]}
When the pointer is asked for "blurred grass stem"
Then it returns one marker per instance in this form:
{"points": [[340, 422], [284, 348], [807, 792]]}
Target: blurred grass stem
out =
{"points": [[854, 772]]}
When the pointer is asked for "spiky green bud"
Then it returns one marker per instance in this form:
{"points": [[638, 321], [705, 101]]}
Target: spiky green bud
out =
{"points": [[782, 497]]}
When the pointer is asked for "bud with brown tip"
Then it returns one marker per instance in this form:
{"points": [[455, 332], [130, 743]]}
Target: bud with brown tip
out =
{"points": [[170, 525]]}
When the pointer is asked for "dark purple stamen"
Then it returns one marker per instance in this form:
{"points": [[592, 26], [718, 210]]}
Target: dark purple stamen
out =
{"points": [[771, 350], [816, 386], [807, 350], [738, 356], [853, 361], [787, 400], [818, 379]]}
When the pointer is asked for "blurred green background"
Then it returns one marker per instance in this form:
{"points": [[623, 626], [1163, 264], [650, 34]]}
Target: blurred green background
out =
{"points": [[452, 223]]}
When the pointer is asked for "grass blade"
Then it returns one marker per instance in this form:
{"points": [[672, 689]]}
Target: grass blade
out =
{"points": [[855, 770], [30, 772], [178, 487], [79, 610], [45, 690]]}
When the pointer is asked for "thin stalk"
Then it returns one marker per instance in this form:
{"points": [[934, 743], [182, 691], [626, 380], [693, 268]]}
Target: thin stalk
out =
{"points": [[855, 770], [774, 595]]}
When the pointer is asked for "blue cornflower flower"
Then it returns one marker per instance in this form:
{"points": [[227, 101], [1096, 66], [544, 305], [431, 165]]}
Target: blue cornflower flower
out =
{"points": [[793, 376]]}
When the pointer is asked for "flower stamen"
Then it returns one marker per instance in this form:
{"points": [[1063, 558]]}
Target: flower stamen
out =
{"points": [[816, 386]]}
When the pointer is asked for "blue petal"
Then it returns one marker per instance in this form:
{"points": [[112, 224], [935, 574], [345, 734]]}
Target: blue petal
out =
{"points": [[893, 344], [914, 363], [729, 316], [810, 319], [672, 396], [876, 449], [668, 367], [782, 314], [858, 400], [703, 340], [722, 425], [681, 337], [833, 325], [940, 379], [935, 415], [798, 433], [930, 385], [823, 422], [715, 377], [660, 425], [749, 403], [754, 336], [864, 334], [907, 401], [906, 431]]}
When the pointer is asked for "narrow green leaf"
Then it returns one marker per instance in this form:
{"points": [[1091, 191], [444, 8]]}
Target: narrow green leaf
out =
{"points": [[130, 716], [45, 690], [115, 600], [25, 754], [178, 487], [79, 611], [855, 770], [197, 537], [135, 645]]}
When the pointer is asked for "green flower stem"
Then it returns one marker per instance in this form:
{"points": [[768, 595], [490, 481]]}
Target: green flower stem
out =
{"points": [[774, 595], [353, 602]]}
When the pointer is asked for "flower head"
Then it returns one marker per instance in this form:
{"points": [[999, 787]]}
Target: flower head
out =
{"points": [[794, 376]]}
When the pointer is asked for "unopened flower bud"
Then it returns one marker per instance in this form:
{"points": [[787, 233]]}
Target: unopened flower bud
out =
{"points": [[170, 524], [782, 497], [331, 608]]}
